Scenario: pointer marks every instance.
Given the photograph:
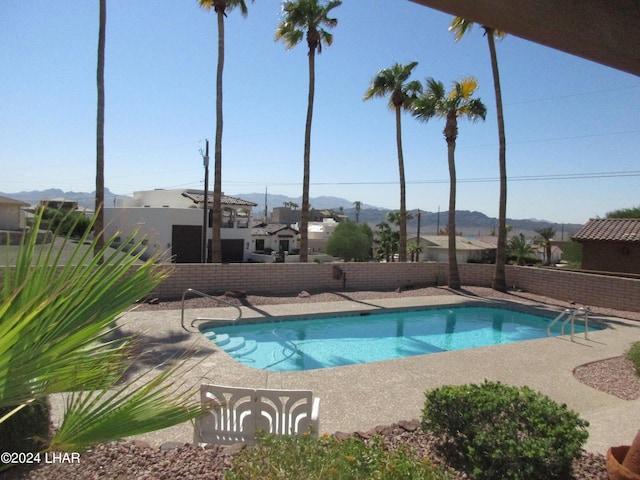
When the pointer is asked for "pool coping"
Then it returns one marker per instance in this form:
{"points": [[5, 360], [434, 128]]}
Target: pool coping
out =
{"points": [[362, 396]]}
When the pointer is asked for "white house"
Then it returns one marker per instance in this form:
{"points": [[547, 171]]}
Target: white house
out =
{"points": [[319, 232], [12, 215], [268, 240], [435, 248], [171, 223]]}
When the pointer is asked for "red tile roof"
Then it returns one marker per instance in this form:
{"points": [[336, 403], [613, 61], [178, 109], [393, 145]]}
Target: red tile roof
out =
{"points": [[197, 196], [610, 229]]}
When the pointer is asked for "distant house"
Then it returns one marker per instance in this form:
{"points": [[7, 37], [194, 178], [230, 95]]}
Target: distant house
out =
{"points": [[12, 215], [274, 237], [289, 216], [435, 248], [319, 233], [610, 244], [171, 222]]}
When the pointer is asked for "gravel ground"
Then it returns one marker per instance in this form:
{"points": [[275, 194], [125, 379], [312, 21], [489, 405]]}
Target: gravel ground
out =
{"points": [[139, 461]]}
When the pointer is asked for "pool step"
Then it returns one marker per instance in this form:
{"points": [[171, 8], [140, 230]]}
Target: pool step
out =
{"points": [[249, 347], [234, 344], [221, 340]]}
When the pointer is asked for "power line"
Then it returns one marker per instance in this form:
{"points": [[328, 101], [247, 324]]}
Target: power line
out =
{"points": [[520, 178]]}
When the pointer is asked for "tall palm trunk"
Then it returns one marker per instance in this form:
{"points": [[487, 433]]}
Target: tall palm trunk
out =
{"points": [[402, 246], [450, 134], [99, 203], [216, 210], [304, 219], [499, 281]]}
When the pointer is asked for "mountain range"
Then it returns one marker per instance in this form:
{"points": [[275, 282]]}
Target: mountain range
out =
{"points": [[470, 223]]}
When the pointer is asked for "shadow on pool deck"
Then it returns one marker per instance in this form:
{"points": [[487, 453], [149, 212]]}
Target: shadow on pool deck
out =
{"points": [[359, 397]]}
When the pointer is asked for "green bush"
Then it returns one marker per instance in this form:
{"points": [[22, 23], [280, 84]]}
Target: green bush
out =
{"points": [[28, 430], [633, 355], [66, 222], [305, 457], [497, 431]]}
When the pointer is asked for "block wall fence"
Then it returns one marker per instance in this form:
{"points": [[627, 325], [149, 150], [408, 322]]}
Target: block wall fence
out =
{"points": [[291, 278]]}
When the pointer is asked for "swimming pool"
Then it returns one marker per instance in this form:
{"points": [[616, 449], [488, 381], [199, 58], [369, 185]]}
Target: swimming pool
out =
{"points": [[310, 344]]}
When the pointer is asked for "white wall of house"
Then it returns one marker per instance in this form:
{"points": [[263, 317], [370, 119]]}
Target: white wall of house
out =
{"points": [[319, 232], [273, 241], [157, 198], [12, 217], [154, 213]]}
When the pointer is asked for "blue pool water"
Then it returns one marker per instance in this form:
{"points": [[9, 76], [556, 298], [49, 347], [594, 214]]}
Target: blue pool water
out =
{"points": [[335, 341]]}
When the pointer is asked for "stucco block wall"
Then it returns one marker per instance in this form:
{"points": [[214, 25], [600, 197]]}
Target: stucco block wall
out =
{"points": [[285, 278], [291, 278]]}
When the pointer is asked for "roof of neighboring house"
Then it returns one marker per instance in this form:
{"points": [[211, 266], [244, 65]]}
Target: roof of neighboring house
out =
{"points": [[442, 241], [197, 196], [610, 229], [271, 228], [11, 201]]}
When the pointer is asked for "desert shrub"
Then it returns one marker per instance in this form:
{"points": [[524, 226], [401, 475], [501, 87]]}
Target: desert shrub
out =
{"points": [[633, 355], [66, 222], [28, 430], [498, 431], [305, 457]]}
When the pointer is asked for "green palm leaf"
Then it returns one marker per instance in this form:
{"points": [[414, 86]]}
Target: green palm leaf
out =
{"points": [[93, 417], [55, 322]]}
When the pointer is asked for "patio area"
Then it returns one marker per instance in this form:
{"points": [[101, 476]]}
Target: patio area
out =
{"points": [[360, 397]]}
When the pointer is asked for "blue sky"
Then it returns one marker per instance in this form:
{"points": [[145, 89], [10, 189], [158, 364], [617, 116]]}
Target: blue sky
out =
{"points": [[572, 125]]}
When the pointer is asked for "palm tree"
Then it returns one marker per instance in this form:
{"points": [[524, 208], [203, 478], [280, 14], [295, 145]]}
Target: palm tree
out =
{"points": [[221, 7], [358, 205], [414, 251], [393, 82], [387, 241], [55, 337], [458, 102], [519, 248], [460, 26], [99, 204], [546, 234], [307, 17]]}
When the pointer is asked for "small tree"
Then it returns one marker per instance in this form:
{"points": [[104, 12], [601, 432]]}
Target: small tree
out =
{"points": [[633, 212], [387, 241], [350, 241], [546, 236], [519, 248]]}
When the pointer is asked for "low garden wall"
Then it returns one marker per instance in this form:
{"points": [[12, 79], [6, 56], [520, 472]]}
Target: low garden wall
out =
{"points": [[290, 278]]}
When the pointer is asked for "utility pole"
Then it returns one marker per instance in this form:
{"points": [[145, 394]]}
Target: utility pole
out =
{"points": [[205, 204], [418, 241], [265, 204]]}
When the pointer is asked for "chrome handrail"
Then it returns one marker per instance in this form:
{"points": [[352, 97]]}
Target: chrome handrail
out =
{"points": [[217, 299], [555, 320], [571, 318]]}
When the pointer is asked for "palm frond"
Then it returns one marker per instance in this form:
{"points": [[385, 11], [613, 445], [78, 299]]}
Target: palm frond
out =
{"points": [[460, 26], [55, 319], [149, 402]]}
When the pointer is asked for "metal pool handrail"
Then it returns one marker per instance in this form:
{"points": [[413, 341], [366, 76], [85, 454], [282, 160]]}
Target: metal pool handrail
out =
{"points": [[217, 299], [571, 318]]}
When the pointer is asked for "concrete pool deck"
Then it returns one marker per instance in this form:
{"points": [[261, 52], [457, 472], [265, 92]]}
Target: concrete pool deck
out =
{"points": [[360, 397]]}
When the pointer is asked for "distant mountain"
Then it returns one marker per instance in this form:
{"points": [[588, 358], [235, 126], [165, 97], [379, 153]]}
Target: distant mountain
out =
{"points": [[85, 200], [468, 222], [274, 201]]}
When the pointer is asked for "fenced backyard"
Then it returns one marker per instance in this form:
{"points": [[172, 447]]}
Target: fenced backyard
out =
{"points": [[290, 278]]}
